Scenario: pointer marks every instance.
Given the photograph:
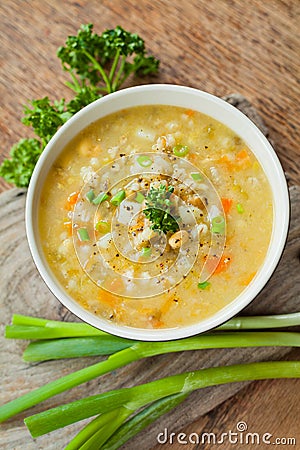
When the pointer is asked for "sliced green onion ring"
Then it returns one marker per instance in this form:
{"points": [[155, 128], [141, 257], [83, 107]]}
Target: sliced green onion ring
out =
{"points": [[203, 285], [100, 198], [240, 208], [83, 234], [102, 226], [118, 198], [196, 176], [146, 252], [90, 195], [180, 150], [139, 197], [218, 225], [144, 161]]}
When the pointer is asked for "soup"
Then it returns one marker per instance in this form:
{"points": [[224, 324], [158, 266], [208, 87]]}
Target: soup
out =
{"points": [[155, 217]]}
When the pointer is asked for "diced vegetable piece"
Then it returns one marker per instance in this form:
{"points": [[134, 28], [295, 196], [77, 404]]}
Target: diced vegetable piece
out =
{"points": [[218, 225], [146, 252], [196, 176], [181, 150], [83, 234], [239, 208], [90, 195], [139, 197], [72, 199], [144, 161], [227, 204], [68, 227], [118, 198], [242, 155], [204, 285], [102, 226], [223, 264], [190, 112], [100, 198]]}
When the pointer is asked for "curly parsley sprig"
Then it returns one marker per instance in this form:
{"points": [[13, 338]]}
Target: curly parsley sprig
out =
{"points": [[158, 211], [97, 64]]}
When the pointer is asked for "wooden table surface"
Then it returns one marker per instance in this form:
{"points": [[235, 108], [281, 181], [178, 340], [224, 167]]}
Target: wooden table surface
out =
{"points": [[218, 46]]}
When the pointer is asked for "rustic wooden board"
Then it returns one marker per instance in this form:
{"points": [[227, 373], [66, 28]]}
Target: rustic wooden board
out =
{"points": [[23, 291]]}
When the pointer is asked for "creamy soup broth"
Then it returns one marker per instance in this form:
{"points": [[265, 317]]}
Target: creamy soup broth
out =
{"points": [[185, 139]]}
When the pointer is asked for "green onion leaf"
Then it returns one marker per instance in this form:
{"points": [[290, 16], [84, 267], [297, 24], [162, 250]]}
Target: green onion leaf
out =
{"points": [[90, 195], [239, 208], [76, 347], [144, 161], [143, 419], [139, 197], [102, 226], [83, 234], [196, 176], [144, 349], [146, 252], [118, 198], [203, 285], [181, 150], [100, 198], [218, 225], [143, 394]]}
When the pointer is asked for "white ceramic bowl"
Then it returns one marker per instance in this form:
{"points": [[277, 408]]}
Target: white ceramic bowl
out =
{"points": [[188, 98]]}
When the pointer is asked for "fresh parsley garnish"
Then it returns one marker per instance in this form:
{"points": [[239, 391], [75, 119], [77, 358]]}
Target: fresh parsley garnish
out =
{"points": [[24, 155], [104, 62], [160, 209], [45, 118], [97, 64]]}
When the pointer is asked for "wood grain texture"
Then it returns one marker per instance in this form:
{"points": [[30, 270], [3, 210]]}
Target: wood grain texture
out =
{"points": [[220, 46], [23, 291]]}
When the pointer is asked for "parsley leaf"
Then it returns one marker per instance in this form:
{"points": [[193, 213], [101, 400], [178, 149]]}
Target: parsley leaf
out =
{"points": [[97, 64], [19, 168], [159, 205], [106, 61], [45, 118]]}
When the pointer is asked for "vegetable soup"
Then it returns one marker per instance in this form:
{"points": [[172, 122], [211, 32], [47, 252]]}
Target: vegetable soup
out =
{"points": [[155, 217]]}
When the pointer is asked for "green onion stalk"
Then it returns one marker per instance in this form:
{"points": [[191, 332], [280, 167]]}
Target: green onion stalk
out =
{"points": [[133, 351], [142, 419], [138, 396]]}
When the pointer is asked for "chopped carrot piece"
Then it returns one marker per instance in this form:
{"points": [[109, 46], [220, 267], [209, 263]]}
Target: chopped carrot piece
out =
{"points": [[71, 201], [68, 227], [157, 323], [243, 159], [190, 112], [222, 265], [227, 204], [242, 154], [107, 298], [226, 161], [192, 156]]}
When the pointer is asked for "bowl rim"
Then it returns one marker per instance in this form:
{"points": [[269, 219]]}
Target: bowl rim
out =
{"points": [[281, 207]]}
